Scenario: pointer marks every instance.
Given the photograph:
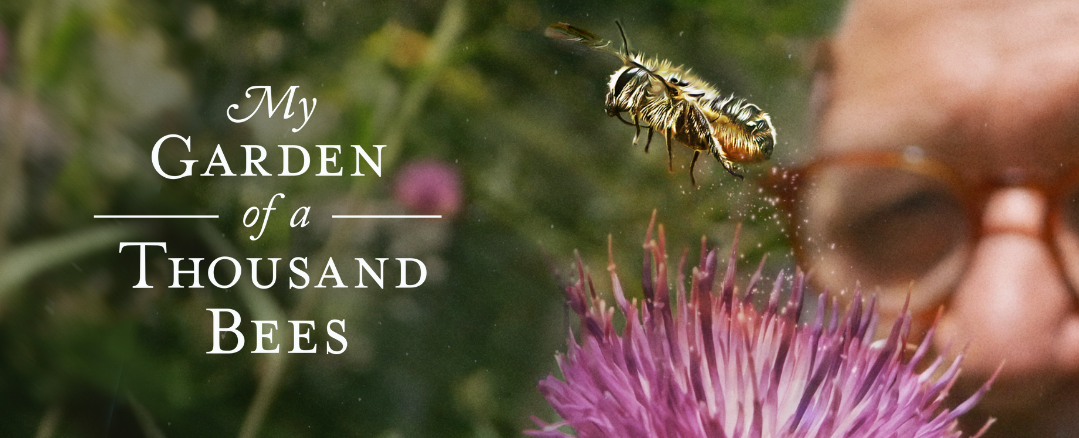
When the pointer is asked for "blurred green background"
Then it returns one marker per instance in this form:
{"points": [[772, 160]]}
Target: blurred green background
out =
{"points": [[88, 87]]}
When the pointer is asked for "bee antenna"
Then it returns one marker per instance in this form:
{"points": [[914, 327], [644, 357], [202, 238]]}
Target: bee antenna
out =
{"points": [[625, 41]]}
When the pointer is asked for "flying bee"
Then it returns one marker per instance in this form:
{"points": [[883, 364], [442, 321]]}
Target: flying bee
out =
{"points": [[672, 101]]}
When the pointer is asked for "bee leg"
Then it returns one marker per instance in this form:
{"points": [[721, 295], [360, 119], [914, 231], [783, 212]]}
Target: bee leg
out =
{"points": [[728, 165], [732, 169], [670, 158], [636, 124], [649, 141], [696, 155]]}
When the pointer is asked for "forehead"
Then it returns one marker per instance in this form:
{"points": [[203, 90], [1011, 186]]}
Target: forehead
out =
{"points": [[985, 85]]}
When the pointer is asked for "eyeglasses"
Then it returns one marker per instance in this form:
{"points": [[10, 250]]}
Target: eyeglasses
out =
{"points": [[899, 222]]}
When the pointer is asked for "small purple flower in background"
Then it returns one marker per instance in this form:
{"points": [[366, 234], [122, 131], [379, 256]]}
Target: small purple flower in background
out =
{"points": [[429, 187], [720, 368]]}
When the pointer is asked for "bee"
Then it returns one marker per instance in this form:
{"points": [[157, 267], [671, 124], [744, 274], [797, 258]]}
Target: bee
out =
{"points": [[672, 101]]}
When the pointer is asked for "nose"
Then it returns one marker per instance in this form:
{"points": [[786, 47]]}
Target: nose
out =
{"points": [[1013, 305]]}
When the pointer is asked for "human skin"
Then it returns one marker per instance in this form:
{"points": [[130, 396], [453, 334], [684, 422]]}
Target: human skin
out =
{"points": [[991, 88]]}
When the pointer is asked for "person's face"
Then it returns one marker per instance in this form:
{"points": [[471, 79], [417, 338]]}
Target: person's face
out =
{"points": [[992, 89]]}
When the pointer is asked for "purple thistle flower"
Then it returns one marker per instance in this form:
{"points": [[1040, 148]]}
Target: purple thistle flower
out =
{"points": [[720, 368]]}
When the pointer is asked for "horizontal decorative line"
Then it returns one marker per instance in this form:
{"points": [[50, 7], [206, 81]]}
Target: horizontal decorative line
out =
{"points": [[155, 216], [387, 216]]}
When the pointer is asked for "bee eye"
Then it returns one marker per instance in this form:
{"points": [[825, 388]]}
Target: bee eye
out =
{"points": [[624, 78]]}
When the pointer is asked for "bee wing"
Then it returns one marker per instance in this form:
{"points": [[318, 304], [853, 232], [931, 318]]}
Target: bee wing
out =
{"points": [[569, 32]]}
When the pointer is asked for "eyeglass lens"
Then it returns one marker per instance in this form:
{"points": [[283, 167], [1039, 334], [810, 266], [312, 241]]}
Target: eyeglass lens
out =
{"points": [[883, 228]]}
